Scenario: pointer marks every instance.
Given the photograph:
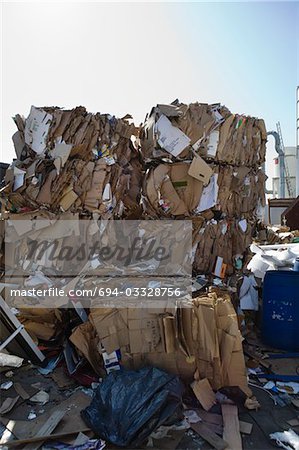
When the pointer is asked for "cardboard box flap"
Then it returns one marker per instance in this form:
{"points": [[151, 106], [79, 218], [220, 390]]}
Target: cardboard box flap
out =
{"points": [[200, 170]]}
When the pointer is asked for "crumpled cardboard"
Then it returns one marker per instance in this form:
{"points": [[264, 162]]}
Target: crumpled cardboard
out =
{"points": [[218, 342], [225, 239], [213, 132], [85, 339], [170, 190], [74, 161], [175, 190], [202, 338], [41, 323]]}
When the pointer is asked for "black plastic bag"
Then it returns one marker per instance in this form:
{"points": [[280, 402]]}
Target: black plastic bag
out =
{"points": [[129, 405]]}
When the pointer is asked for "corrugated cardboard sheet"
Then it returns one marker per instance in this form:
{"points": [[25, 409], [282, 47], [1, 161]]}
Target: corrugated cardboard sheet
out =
{"points": [[74, 160], [203, 337]]}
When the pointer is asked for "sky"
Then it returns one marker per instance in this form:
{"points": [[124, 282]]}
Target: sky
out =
{"points": [[127, 57]]}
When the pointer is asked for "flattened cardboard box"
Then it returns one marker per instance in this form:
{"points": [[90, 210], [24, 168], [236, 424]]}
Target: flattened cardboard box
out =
{"points": [[204, 337]]}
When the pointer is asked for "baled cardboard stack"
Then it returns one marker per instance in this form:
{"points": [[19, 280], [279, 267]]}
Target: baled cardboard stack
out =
{"points": [[74, 161], [198, 162], [204, 163], [212, 131]]}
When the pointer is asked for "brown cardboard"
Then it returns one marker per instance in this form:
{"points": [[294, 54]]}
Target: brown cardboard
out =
{"points": [[111, 329], [86, 341], [204, 393], [200, 170], [169, 334], [68, 199]]}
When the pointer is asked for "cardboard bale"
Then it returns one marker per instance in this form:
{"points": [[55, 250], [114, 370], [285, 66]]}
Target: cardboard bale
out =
{"points": [[171, 190], [227, 239], [206, 164], [212, 131], [72, 160]]}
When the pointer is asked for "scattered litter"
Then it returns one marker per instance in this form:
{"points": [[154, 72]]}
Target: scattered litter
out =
{"points": [[289, 388], [9, 374], [41, 397], [50, 366], [252, 403], [31, 415], [5, 386], [270, 385], [81, 439], [8, 404], [10, 360], [191, 416], [286, 437], [21, 391], [91, 444], [164, 430]]}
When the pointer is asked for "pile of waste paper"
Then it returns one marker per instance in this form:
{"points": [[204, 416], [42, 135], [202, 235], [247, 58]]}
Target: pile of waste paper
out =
{"points": [[82, 373], [74, 160], [204, 162], [269, 235], [197, 162]]}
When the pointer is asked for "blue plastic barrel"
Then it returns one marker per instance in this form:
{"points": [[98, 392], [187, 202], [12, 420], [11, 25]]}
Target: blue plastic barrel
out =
{"points": [[280, 315]]}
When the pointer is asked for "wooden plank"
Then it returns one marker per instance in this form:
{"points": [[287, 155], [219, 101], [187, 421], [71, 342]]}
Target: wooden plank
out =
{"points": [[24, 429], [231, 427], [208, 435], [218, 429], [216, 419], [257, 358], [42, 439], [47, 428], [21, 391]]}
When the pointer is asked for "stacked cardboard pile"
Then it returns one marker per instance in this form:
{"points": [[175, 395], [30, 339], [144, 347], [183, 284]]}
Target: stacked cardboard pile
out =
{"points": [[205, 163], [74, 160], [202, 338], [202, 163]]}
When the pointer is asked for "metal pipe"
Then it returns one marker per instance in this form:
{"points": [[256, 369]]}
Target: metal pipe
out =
{"points": [[297, 144], [278, 246], [281, 162]]}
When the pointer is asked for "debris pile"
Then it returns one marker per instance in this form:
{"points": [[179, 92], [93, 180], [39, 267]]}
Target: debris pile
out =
{"points": [[205, 162], [170, 369], [270, 235], [74, 161], [138, 337]]}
